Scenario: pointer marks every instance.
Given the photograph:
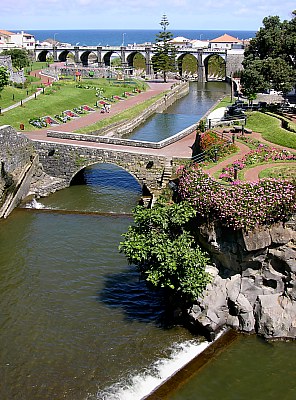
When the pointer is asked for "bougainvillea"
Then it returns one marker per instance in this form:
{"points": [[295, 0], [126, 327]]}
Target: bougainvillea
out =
{"points": [[240, 205]]}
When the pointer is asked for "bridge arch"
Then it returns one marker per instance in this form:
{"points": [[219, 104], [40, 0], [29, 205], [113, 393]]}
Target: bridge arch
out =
{"points": [[86, 55], [130, 59], [192, 64], [65, 161], [44, 55], [64, 55], [215, 67], [103, 163], [107, 57]]}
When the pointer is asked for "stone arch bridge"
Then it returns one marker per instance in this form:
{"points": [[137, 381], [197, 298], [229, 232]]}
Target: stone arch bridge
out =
{"points": [[232, 58], [64, 161]]}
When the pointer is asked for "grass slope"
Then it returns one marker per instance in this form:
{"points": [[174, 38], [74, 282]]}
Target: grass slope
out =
{"points": [[270, 129]]}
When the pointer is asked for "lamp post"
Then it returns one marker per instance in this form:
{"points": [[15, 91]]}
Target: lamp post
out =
{"points": [[54, 39], [123, 35], [54, 47]]}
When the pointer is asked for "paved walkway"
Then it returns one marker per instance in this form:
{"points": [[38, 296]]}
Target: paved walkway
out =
{"points": [[181, 149]]}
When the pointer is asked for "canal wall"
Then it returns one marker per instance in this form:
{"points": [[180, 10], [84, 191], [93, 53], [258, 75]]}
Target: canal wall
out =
{"points": [[114, 132], [19, 161]]}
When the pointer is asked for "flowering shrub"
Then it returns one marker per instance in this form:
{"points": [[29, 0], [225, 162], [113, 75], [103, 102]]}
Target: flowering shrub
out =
{"points": [[209, 139], [211, 146], [262, 154], [242, 205]]}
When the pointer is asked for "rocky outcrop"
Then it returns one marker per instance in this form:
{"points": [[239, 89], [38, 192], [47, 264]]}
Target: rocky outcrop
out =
{"points": [[254, 281]]}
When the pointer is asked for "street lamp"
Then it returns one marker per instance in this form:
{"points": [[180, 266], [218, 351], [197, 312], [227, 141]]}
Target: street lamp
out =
{"points": [[123, 39], [54, 39]]}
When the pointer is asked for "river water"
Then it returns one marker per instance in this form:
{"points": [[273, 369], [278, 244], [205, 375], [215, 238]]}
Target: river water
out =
{"points": [[75, 321]]}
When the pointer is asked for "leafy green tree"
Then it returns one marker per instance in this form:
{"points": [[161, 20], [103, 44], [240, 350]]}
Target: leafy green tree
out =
{"points": [[4, 78], [270, 59], [164, 59], [19, 58], [165, 252]]}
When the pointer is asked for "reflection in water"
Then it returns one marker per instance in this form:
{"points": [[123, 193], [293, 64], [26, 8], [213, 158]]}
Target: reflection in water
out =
{"points": [[74, 318]]}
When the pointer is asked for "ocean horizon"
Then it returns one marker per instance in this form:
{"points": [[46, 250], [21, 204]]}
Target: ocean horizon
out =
{"points": [[117, 37]]}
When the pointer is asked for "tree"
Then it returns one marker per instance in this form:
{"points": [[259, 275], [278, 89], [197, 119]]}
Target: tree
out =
{"points": [[165, 252], [164, 59], [4, 78], [270, 59], [19, 58]]}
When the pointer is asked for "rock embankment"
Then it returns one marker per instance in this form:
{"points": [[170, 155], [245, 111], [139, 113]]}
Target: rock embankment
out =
{"points": [[254, 281]]}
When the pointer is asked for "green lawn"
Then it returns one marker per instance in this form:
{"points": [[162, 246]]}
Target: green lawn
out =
{"points": [[226, 101], [11, 95], [60, 97], [285, 172], [270, 129]]}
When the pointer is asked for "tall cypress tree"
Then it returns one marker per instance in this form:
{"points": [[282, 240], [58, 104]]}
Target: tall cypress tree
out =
{"points": [[164, 59]]}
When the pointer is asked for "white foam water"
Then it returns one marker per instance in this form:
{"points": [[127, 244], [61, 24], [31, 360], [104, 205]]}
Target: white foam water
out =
{"points": [[34, 204], [142, 384]]}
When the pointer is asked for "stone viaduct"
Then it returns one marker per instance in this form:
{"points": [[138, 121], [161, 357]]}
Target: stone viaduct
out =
{"points": [[232, 58]]}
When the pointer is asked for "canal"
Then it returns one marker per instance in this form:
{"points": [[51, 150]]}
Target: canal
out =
{"points": [[75, 321]]}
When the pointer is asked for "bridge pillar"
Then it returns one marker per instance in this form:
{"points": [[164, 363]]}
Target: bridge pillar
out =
{"points": [[55, 54], [122, 54], [99, 55], [76, 54], [148, 62], [201, 73]]}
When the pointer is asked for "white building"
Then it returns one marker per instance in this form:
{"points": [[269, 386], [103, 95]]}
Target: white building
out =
{"points": [[226, 42], [21, 39]]}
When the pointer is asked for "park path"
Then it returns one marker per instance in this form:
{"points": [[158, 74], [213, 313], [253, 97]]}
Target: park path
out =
{"points": [[182, 148], [250, 174]]}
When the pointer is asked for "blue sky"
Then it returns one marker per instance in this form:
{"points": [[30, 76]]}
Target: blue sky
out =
{"points": [[135, 14]]}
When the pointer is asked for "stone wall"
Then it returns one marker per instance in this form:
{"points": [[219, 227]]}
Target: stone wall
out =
{"points": [[18, 158], [65, 161], [254, 281], [14, 76], [234, 63]]}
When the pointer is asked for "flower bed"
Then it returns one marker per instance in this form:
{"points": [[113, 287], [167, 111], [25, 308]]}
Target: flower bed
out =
{"points": [[263, 154], [38, 122], [242, 205], [212, 146], [87, 108], [62, 118], [117, 98], [70, 114], [50, 121]]}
